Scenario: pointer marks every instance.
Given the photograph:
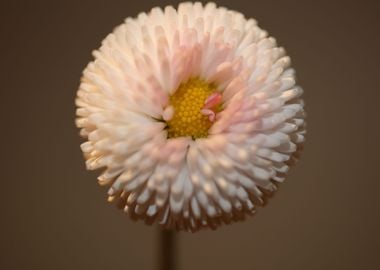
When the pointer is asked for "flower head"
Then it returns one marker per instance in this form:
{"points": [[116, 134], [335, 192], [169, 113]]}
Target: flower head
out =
{"points": [[193, 113]]}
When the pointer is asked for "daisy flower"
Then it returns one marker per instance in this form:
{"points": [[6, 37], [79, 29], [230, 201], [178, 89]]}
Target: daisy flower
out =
{"points": [[193, 113]]}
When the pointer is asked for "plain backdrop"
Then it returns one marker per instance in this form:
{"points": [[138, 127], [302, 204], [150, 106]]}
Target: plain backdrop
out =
{"points": [[55, 216]]}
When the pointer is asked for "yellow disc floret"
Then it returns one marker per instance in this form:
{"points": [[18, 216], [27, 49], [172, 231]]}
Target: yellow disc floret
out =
{"points": [[188, 101]]}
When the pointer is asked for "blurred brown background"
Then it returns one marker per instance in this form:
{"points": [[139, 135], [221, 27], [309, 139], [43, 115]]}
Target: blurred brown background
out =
{"points": [[55, 216]]}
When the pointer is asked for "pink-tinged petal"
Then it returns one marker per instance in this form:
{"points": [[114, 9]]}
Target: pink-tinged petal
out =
{"points": [[209, 113], [213, 100], [168, 113]]}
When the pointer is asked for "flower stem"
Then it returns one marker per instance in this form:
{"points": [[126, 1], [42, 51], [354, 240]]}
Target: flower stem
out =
{"points": [[167, 256]]}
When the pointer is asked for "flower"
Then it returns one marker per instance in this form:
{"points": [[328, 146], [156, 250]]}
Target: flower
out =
{"points": [[194, 114]]}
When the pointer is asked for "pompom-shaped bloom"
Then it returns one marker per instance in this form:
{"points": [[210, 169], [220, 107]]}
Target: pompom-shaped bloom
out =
{"points": [[193, 113]]}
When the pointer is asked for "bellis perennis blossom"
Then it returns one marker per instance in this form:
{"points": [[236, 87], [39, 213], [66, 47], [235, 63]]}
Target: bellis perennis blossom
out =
{"points": [[193, 113]]}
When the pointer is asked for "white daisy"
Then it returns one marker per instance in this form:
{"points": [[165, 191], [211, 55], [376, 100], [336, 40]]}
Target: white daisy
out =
{"points": [[193, 113]]}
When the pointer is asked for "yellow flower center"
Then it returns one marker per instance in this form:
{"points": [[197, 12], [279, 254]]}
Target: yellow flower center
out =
{"points": [[187, 102]]}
